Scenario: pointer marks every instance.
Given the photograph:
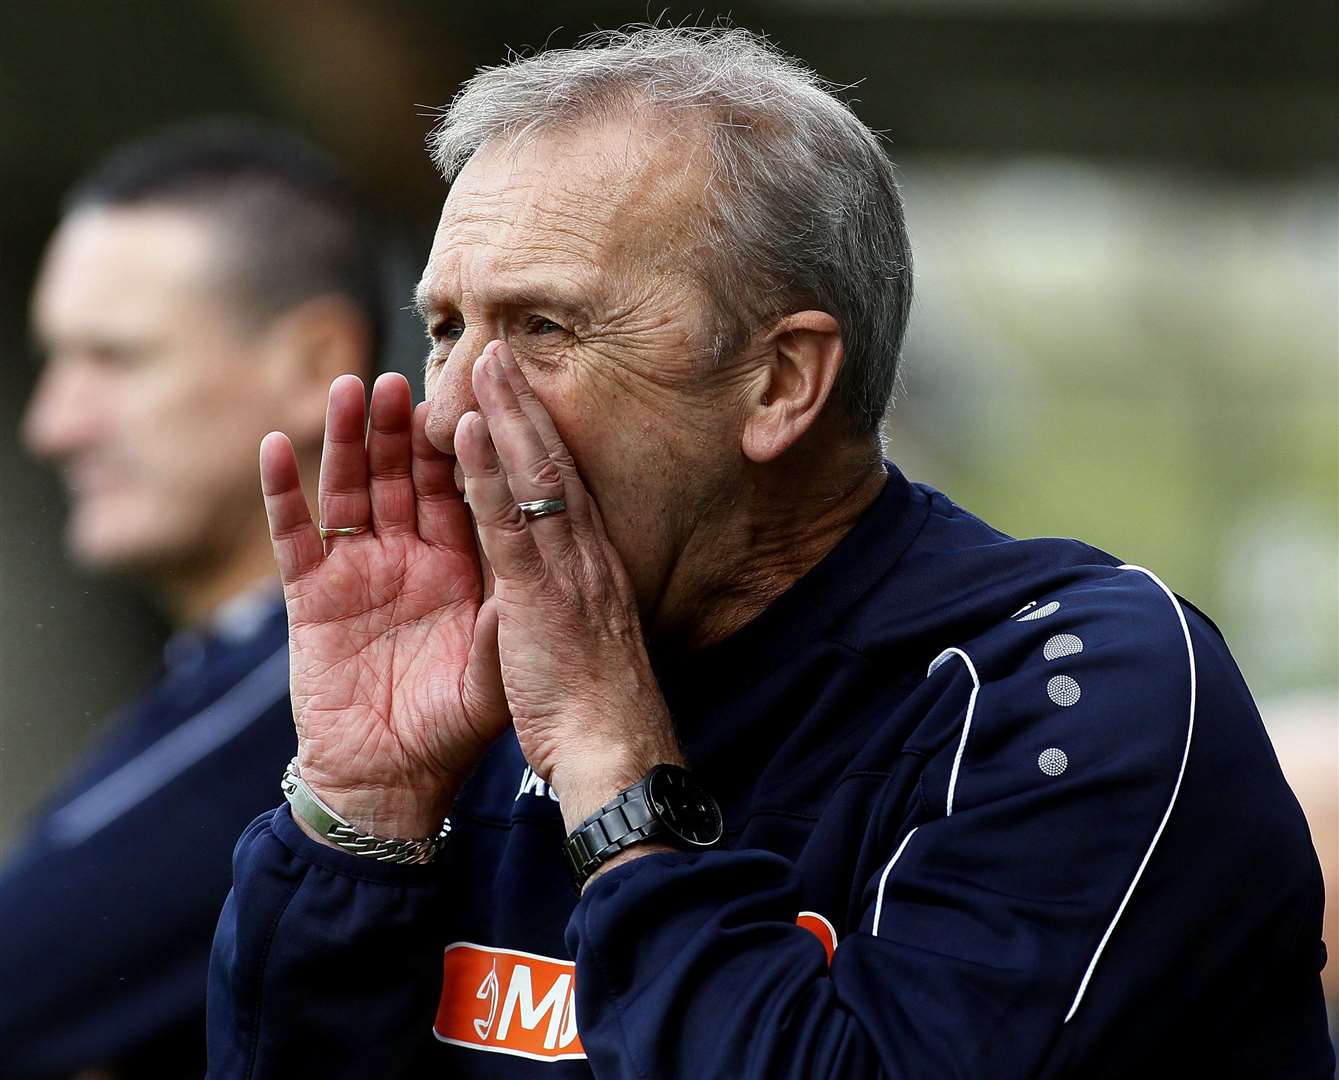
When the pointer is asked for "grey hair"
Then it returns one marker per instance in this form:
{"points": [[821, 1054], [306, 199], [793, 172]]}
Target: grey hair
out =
{"points": [[803, 205]]}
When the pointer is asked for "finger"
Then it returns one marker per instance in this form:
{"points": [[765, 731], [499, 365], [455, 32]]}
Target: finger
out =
{"points": [[297, 544], [341, 497], [443, 517], [504, 534], [574, 490], [390, 486], [531, 474]]}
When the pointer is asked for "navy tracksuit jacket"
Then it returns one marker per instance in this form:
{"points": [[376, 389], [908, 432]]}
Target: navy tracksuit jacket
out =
{"points": [[109, 902], [994, 809]]}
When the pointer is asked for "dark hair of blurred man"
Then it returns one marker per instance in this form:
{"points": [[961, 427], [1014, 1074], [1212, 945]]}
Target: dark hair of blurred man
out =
{"points": [[203, 288]]}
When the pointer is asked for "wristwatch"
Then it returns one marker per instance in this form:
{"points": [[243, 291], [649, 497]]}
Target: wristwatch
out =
{"points": [[309, 807], [667, 805]]}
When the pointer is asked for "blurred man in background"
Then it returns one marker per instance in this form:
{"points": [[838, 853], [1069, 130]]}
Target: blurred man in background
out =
{"points": [[204, 287]]}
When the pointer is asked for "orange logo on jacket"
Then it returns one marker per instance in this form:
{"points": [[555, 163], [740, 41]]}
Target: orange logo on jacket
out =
{"points": [[511, 1002], [508, 1002], [819, 926]]}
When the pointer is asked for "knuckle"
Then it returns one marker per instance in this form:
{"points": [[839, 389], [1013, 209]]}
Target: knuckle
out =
{"points": [[342, 493], [545, 473], [389, 468], [293, 531], [507, 519]]}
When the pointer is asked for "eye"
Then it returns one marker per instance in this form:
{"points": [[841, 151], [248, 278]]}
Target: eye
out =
{"points": [[442, 336], [447, 330], [537, 324]]}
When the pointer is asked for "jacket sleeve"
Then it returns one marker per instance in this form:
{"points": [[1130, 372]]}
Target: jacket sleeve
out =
{"points": [[324, 964], [985, 924]]}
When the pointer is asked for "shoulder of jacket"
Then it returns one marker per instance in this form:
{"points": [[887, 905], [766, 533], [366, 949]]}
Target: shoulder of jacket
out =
{"points": [[1117, 623], [1104, 668]]}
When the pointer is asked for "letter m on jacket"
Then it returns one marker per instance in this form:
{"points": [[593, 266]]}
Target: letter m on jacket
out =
{"points": [[508, 1002]]}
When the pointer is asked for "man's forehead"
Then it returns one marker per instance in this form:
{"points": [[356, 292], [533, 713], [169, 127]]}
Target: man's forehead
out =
{"points": [[622, 161], [120, 271], [570, 205], [106, 251]]}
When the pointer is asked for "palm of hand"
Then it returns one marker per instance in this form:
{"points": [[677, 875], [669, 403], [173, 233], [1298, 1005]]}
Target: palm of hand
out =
{"points": [[380, 640]]}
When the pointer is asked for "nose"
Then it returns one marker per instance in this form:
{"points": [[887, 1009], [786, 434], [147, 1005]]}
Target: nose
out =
{"points": [[450, 391], [62, 415]]}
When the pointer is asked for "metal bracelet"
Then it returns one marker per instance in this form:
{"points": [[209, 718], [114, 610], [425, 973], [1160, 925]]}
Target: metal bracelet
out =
{"points": [[343, 834]]}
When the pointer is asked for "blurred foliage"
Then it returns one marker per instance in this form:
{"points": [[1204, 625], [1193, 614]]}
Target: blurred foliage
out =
{"points": [[1144, 359]]}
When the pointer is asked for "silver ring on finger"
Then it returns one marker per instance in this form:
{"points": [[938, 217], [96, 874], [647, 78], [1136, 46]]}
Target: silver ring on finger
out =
{"points": [[538, 508]]}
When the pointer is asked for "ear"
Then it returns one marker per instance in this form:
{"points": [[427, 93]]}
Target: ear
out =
{"points": [[805, 355], [306, 348]]}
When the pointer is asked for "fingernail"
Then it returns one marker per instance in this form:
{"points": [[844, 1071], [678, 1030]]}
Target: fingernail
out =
{"points": [[494, 365]]}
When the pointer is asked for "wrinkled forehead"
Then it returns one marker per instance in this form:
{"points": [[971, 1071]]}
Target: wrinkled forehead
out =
{"points": [[585, 202]]}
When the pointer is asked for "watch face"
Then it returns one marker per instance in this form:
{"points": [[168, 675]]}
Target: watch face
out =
{"points": [[684, 806]]}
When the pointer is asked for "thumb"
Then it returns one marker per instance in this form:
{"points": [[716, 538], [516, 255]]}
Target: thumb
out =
{"points": [[481, 691]]}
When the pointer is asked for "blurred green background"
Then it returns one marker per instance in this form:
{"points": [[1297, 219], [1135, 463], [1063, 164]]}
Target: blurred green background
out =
{"points": [[1125, 227]]}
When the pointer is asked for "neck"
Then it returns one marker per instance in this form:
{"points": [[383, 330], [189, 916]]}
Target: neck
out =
{"points": [[189, 593], [761, 542]]}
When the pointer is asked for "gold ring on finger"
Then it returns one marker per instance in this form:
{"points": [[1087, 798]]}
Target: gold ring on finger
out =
{"points": [[343, 530]]}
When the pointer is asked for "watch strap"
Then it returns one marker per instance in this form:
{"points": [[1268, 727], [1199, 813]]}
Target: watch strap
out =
{"points": [[624, 820], [308, 806]]}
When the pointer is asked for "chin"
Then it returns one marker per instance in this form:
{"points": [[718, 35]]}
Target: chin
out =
{"points": [[107, 559], [107, 544]]}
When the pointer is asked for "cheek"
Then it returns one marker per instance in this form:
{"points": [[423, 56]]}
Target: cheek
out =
{"points": [[625, 465], [618, 438], [643, 467], [199, 438]]}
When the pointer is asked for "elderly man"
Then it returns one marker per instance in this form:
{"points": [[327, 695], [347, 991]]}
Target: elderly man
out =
{"points": [[851, 784], [204, 286]]}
